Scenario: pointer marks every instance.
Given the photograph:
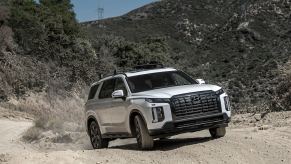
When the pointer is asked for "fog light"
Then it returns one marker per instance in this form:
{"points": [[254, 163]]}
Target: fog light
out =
{"points": [[158, 114], [226, 103]]}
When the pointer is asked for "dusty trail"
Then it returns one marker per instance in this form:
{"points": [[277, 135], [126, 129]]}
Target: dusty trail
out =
{"points": [[10, 132], [241, 145]]}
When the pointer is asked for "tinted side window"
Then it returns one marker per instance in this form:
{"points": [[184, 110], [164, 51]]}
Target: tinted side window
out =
{"points": [[93, 91], [119, 85], [107, 89]]}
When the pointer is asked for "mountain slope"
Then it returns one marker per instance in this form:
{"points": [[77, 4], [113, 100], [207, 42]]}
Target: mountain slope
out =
{"points": [[240, 44], [42, 48]]}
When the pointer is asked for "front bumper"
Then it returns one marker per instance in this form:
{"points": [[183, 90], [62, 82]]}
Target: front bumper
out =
{"points": [[191, 125], [171, 116]]}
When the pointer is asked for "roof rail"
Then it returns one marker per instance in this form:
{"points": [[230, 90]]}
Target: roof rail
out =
{"points": [[149, 66], [135, 68]]}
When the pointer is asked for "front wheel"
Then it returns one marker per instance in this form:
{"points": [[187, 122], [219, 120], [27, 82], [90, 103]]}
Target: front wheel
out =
{"points": [[144, 140], [95, 136], [217, 132]]}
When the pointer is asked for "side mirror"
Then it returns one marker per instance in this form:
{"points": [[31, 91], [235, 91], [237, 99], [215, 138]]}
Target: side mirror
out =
{"points": [[200, 81], [118, 94]]}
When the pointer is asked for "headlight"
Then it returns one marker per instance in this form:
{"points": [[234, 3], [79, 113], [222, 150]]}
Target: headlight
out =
{"points": [[219, 92], [158, 114], [157, 100]]}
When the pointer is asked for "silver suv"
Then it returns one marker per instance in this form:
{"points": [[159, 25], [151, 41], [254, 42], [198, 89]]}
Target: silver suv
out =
{"points": [[152, 102]]}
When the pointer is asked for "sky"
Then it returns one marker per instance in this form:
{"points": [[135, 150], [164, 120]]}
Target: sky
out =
{"points": [[86, 10]]}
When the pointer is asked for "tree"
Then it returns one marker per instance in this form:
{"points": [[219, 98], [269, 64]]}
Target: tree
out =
{"points": [[6, 34], [64, 10]]}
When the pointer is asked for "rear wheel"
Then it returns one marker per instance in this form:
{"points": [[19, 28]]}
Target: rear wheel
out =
{"points": [[144, 140], [95, 136], [217, 132]]}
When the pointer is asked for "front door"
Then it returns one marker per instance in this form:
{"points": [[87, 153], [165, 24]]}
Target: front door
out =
{"points": [[119, 108], [104, 103]]}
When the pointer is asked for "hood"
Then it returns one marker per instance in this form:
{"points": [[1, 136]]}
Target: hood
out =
{"points": [[171, 91]]}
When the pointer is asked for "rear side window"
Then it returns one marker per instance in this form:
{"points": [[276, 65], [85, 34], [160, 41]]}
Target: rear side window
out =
{"points": [[93, 91], [107, 89]]}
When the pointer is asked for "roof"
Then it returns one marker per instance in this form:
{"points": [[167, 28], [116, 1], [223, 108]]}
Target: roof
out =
{"points": [[148, 71], [136, 73]]}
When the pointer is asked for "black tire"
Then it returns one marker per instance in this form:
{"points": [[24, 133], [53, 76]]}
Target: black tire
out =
{"points": [[95, 136], [217, 132], [144, 140]]}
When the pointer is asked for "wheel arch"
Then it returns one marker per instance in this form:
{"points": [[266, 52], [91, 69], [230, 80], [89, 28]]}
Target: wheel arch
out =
{"points": [[89, 120], [134, 113]]}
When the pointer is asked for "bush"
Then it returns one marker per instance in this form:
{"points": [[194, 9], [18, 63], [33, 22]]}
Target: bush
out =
{"points": [[32, 134], [123, 54], [47, 122], [283, 94]]}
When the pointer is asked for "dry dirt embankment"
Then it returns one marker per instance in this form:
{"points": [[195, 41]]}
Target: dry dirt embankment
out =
{"points": [[250, 139]]}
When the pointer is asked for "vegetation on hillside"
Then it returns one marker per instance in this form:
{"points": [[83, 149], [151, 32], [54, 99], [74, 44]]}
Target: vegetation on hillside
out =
{"points": [[240, 45], [44, 48], [47, 61], [124, 54]]}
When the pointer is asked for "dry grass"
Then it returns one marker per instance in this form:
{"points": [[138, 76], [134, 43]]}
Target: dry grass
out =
{"points": [[32, 134], [59, 115]]}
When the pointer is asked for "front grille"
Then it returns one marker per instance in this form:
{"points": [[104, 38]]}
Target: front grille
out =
{"points": [[195, 104]]}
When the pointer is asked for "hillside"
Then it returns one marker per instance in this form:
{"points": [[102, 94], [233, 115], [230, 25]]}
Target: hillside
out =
{"points": [[42, 49], [46, 65], [48, 60], [243, 45]]}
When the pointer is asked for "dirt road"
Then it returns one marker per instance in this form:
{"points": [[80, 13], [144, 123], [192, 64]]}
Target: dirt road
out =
{"points": [[10, 132], [242, 144]]}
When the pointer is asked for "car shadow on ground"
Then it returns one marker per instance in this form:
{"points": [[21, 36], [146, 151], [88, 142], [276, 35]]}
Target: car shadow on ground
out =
{"points": [[167, 144]]}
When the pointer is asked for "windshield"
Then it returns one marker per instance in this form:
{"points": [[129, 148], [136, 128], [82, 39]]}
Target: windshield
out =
{"points": [[152, 81]]}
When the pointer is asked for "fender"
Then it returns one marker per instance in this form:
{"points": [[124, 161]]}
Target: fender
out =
{"points": [[89, 115], [140, 113]]}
